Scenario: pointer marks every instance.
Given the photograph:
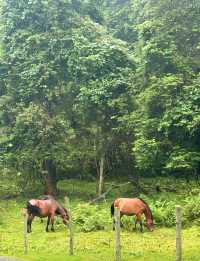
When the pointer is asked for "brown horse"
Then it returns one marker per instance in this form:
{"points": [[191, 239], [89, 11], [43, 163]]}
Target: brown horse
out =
{"points": [[45, 206], [134, 206]]}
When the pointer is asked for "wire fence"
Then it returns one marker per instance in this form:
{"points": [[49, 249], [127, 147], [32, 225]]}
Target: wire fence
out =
{"points": [[118, 245]]}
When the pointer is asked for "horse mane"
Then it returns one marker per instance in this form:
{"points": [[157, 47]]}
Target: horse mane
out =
{"points": [[148, 208]]}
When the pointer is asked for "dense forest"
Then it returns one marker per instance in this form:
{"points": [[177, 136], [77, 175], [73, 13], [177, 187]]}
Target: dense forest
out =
{"points": [[99, 89]]}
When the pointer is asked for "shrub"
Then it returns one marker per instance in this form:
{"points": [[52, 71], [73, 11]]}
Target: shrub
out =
{"points": [[90, 217], [192, 208]]}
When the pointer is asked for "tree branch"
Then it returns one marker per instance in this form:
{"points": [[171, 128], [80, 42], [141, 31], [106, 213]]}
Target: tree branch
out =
{"points": [[103, 196]]}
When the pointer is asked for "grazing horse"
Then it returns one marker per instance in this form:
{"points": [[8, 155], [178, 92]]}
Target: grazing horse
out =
{"points": [[45, 206], [134, 206]]}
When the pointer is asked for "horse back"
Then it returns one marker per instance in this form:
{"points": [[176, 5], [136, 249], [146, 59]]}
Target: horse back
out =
{"points": [[42, 208], [130, 206]]}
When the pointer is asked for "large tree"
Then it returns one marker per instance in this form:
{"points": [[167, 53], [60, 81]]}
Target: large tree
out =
{"points": [[65, 79]]}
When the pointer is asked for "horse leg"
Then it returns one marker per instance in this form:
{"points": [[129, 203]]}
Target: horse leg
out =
{"points": [[52, 223], [121, 225], [141, 226], [113, 224], [48, 221], [139, 219], [28, 225], [136, 223], [29, 222]]}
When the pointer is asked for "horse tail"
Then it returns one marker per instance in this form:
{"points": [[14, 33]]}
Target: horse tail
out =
{"points": [[147, 206], [29, 206], [112, 209]]}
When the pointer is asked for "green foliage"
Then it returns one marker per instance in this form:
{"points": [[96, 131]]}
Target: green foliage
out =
{"points": [[166, 107], [146, 153], [183, 160], [82, 80], [191, 211], [68, 86], [90, 218]]}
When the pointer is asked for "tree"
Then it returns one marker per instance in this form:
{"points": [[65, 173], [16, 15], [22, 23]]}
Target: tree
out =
{"points": [[101, 67], [61, 82], [36, 43]]}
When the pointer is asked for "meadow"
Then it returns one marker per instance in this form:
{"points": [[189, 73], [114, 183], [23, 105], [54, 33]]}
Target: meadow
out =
{"points": [[93, 235]]}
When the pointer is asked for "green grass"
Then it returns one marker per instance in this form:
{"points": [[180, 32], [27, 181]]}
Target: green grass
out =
{"points": [[93, 246], [96, 245]]}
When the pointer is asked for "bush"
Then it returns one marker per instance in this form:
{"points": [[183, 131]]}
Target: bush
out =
{"points": [[164, 213], [90, 217], [192, 208]]}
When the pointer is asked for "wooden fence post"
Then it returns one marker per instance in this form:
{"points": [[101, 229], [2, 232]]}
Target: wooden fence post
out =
{"points": [[71, 236], [117, 235], [178, 234], [24, 212]]}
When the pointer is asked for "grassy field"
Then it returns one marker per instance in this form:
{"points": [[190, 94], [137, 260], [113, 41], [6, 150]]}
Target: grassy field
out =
{"points": [[94, 245]]}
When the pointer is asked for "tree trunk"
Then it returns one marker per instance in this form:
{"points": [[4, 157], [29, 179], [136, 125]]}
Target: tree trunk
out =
{"points": [[97, 173], [49, 172], [101, 171]]}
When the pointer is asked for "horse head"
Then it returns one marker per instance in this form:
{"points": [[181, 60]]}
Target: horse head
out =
{"points": [[149, 224], [65, 216]]}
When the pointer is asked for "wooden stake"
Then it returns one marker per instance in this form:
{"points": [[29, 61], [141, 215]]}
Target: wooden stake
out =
{"points": [[117, 235], [71, 236], [24, 212], [178, 234]]}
